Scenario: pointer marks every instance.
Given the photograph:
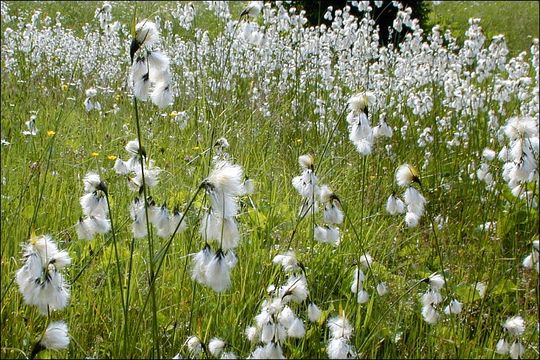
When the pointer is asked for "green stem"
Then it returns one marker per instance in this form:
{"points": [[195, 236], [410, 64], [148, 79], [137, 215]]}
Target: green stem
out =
{"points": [[118, 270], [155, 337]]}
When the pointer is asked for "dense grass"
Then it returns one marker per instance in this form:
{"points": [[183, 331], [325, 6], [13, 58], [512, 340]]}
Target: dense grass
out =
{"points": [[516, 20], [42, 184]]}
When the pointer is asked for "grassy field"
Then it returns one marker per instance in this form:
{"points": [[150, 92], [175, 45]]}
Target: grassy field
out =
{"points": [[519, 29], [275, 91]]}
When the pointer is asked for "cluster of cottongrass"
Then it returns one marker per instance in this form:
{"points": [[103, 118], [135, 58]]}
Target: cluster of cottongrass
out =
{"points": [[258, 48]]}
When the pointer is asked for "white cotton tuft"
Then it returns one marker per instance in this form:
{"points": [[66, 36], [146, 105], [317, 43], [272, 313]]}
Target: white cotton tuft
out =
{"points": [[200, 263], [395, 205], [162, 95], [488, 154], [411, 219], [146, 33], [436, 281], [454, 307], [405, 175], [517, 350], [56, 336], [287, 261], [314, 313], [296, 329], [216, 346], [340, 327], [366, 260], [515, 325], [306, 161], [415, 201], [502, 347], [362, 297], [430, 314], [286, 317], [251, 333], [194, 345], [431, 297], [295, 289], [218, 273], [339, 349], [382, 289]]}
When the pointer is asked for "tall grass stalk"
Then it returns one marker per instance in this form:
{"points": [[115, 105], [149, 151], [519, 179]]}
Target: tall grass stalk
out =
{"points": [[149, 236]]}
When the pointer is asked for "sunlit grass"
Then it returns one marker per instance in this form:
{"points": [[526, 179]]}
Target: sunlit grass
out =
{"points": [[46, 200]]}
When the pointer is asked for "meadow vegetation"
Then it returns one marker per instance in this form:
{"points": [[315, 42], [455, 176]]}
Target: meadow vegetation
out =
{"points": [[243, 124]]}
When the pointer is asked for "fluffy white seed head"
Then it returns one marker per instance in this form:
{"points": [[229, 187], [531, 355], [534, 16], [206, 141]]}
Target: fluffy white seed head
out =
{"points": [[296, 329], [226, 178], [287, 260], [251, 333], [488, 154], [306, 161], [339, 348], [314, 313], [430, 314], [411, 219], [382, 289], [217, 274], [162, 96], [436, 281], [454, 307], [56, 336], [194, 345], [515, 325], [295, 289], [146, 33], [431, 297], [216, 346], [340, 327], [395, 205], [406, 175], [415, 201], [362, 297], [517, 350], [502, 347], [253, 9], [366, 260]]}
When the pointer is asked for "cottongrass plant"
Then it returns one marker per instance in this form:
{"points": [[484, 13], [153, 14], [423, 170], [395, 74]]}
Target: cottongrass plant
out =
{"points": [[278, 320], [95, 207], [137, 165], [339, 344], [31, 127], [332, 216], [150, 76], [218, 225], [406, 175], [432, 298], [521, 157], [360, 130], [514, 327], [216, 348], [307, 185], [40, 279], [56, 337], [531, 261], [434, 87]]}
